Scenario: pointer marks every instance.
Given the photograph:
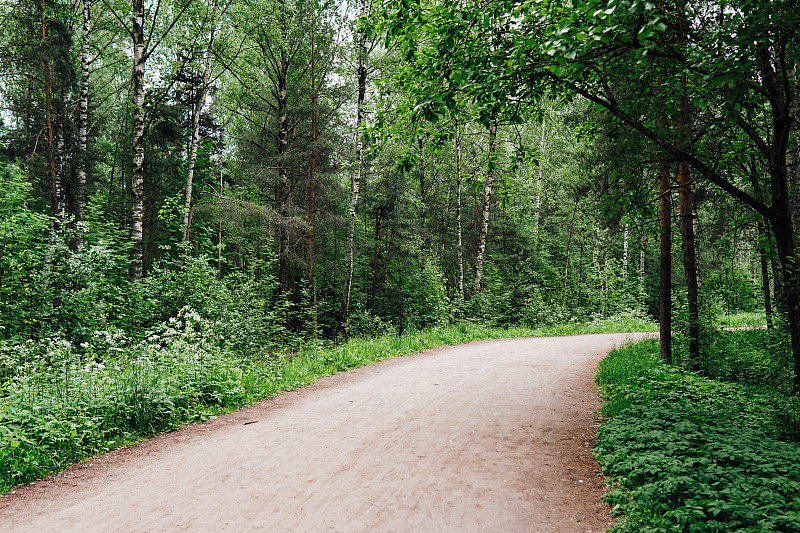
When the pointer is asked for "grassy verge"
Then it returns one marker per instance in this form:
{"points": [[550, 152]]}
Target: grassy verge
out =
{"points": [[59, 404], [687, 453]]}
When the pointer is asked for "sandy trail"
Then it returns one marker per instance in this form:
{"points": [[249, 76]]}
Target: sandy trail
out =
{"points": [[488, 436]]}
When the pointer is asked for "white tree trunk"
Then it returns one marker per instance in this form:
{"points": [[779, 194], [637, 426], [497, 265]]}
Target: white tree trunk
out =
{"points": [[626, 233], [198, 110], [487, 197], [83, 116], [458, 213], [355, 184], [137, 176]]}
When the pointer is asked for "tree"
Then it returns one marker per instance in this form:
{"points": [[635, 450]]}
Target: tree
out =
{"points": [[143, 48], [737, 56], [196, 113]]}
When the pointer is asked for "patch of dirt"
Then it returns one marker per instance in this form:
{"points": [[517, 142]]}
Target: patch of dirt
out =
{"points": [[487, 436]]}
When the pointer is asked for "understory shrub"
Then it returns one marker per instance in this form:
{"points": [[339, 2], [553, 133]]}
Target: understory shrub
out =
{"points": [[676, 469], [688, 453]]}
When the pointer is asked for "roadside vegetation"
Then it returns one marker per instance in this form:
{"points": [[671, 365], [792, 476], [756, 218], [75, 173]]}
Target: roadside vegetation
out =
{"points": [[63, 403], [686, 452]]}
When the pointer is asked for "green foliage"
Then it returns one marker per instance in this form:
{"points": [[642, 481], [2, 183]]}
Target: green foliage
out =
{"points": [[676, 469], [21, 254], [686, 453], [757, 357], [749, 320]]}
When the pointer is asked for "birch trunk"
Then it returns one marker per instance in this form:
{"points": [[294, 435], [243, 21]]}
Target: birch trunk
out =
{"points": [[355, 184], [83, 117], [626, 234], [458, 213], [487, 197], [642, 246], [195, 141], [137, 174]]}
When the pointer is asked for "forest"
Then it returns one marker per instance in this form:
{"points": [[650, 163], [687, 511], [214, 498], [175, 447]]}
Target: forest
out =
{"points": [[255, 178]]}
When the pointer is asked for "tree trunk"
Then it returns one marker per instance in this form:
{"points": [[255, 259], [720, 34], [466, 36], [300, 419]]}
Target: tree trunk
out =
{"points": [[626, 234], [567, 259], [137, 175], [793, 150], [763, 240], [312, 282], [642, 246], [537, 203], [787, 250], [665, 270], [690, 263], [219, 228], [283, 198], [83, 118], [195, 140], [487, 197], [375, 262], [458, 213], [56, 193], [687, 233], [361, 73]]}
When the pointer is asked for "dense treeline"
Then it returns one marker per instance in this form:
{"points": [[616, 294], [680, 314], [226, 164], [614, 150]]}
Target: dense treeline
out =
{"points": [[296, 169]]}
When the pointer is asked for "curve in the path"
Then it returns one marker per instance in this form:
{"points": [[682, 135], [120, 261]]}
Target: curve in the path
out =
{"points": [[488, 436]]}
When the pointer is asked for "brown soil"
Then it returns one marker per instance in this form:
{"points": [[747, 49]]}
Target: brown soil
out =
{"points": [[488, 436]]}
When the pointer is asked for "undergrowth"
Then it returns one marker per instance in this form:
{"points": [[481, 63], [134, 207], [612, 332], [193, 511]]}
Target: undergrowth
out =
{"points": [[688, 453], [61, 403]]}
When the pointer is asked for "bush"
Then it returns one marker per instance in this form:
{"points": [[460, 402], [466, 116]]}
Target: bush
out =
{"points": [[678, 470], [687, 453]]}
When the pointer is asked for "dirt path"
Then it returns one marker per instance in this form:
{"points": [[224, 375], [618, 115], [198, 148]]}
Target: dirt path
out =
{"points": [[489, 436]]}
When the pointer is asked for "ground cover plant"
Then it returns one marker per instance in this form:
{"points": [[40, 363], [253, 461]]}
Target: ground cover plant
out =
{"points": [[61, 403], [689, 453]]}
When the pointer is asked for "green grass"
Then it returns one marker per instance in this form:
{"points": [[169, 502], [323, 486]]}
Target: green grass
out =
{"points": [[59, 405], [687, 453], [743, 319]]}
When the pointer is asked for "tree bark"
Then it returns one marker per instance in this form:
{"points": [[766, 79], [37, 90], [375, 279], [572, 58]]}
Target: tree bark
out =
{"points": [[355, 183], [283, 198], [626, 233], [689, 263], [665, 269], [567, 259], [687, 234], [83, 118], [763, 240], [642, 246], [537, 203], [137, 175], [487, 197], [312, 282], [458, 213], [56, 193], [195, 140]]}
